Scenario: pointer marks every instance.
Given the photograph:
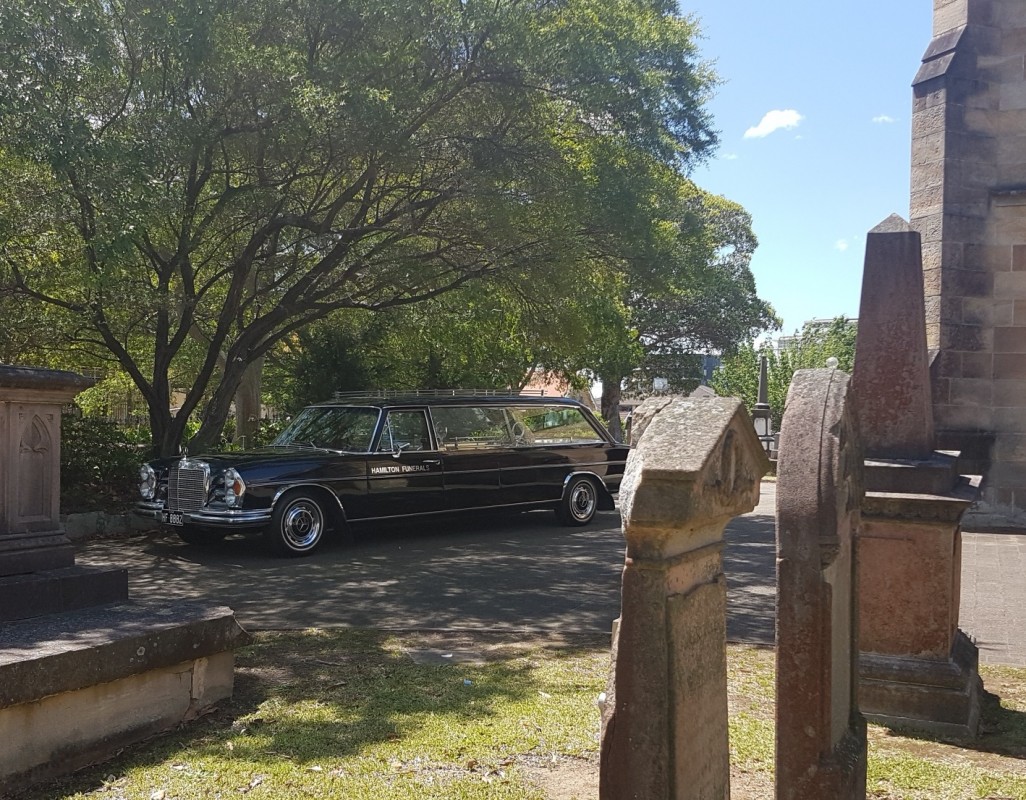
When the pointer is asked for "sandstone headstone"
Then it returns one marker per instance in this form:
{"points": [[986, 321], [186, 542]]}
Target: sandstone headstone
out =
{"points": [[697, 465], [820, 735]]}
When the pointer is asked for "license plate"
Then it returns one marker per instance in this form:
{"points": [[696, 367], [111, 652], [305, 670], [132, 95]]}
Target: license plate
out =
{"points": [[173, 518]]}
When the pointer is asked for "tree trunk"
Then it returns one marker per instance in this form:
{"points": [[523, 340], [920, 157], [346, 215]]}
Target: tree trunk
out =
{"points": [[216, 411], [247, 404], [610, 404]]}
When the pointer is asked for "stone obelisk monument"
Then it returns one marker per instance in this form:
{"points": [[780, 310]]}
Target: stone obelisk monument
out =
{"points": [[917, 669]]}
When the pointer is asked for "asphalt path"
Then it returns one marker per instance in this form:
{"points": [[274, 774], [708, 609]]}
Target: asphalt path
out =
{"points": [[522, 574]]}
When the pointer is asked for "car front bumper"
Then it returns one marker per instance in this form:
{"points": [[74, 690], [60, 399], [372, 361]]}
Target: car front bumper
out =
{"points": [[231, 518]]}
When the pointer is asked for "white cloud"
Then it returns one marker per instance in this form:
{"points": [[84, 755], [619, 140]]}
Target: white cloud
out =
{"points": [[884, 119], [774, 121], [730, 157], [841, 244]]}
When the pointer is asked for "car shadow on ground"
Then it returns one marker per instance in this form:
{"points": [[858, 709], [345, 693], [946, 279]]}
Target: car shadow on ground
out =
{"points": [[512, 572], [517, 573]]}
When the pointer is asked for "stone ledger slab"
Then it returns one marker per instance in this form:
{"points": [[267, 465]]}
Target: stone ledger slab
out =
{"points": [[75, 686]]}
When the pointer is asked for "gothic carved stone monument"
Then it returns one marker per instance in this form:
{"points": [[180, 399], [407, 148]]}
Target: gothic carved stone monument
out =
{"points": [[37, 562], [917, 668], [969, 203], [697, 464], [83, 670], [821, 736]]}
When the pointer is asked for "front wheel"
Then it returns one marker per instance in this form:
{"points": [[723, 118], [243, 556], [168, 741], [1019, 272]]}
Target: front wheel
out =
{"points": [[579, 503], [297, 525]]}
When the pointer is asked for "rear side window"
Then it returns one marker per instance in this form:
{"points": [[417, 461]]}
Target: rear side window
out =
{"points": [[471, 427], [552, 425]]}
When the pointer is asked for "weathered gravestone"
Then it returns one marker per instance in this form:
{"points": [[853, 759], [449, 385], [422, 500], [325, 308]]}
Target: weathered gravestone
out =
{"points": [[917, 669], [83, 670], [821, 736], [697, 465]]}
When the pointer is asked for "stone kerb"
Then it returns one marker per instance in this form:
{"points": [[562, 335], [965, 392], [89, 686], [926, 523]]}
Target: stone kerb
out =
{"points": [[820, 734], [697, 465]]}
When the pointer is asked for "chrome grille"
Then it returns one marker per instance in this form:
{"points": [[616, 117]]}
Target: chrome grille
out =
{"points": [[187, 486]]}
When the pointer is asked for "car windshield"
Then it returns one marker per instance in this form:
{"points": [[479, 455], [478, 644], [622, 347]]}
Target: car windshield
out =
{"points": [[332, 427]]}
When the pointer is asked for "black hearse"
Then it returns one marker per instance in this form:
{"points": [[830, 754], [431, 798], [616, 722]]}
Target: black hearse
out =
{"points": [[371, 458]]}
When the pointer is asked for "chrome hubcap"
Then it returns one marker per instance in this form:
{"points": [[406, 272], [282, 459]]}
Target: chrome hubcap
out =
{"points": [[301, 525], [582, 501]]}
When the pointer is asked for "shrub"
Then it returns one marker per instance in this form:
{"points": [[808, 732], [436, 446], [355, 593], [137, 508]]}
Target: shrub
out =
{"points": [[99, 465]]}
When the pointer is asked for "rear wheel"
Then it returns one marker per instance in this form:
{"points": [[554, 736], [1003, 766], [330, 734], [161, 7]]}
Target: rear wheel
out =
{"points": [[297, 525], [579, 503]]}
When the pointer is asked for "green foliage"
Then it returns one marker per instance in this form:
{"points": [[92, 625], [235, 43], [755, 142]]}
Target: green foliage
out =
{"points": [[99, 464], [189, 184], [738, 375]]}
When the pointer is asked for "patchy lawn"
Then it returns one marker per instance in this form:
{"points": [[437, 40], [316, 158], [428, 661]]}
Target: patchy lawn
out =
{"points": [[367, 715]]}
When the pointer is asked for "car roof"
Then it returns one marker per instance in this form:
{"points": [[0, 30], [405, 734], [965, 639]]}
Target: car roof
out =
{"points": [[374, 401]]}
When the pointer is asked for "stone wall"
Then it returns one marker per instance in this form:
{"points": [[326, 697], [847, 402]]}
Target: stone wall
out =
{"points": [[969, 203]]}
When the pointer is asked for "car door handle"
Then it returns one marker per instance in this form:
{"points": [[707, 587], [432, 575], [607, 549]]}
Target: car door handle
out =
{"points": [[432, 461]]}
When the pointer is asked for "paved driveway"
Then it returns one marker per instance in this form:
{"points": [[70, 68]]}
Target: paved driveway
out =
{"points": [[519, 573]]}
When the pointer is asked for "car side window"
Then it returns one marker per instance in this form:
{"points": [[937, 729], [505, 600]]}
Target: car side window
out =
{"points": [[404, 430], [558, 425], [470, 427]]}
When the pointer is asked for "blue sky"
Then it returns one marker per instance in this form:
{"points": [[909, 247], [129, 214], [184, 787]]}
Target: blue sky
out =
{"points": [[814, 116]]}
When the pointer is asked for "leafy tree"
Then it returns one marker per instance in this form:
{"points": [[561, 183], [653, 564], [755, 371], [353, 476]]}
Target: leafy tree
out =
{"points": [[693, 294], [190, 184], [738, 375], [625, 317]]}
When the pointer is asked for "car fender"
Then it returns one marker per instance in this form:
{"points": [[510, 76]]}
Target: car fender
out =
{"points": [[320, 489]]}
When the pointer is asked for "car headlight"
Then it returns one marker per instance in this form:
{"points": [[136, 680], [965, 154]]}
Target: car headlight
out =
{"points": [[234, 488], [147, 482]]}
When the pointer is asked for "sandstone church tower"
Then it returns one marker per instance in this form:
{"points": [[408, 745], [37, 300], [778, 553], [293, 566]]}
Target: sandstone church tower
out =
{"points": [[969, 204]]}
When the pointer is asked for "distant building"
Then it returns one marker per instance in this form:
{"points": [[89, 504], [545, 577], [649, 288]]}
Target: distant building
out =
{"points": [[782, 343]]}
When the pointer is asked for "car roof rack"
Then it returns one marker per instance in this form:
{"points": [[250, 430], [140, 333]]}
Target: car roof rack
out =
{"points": [[387, 394]]}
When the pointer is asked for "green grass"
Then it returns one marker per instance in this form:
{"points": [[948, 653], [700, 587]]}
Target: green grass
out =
{"points": [[901, 767], [350, 714]]}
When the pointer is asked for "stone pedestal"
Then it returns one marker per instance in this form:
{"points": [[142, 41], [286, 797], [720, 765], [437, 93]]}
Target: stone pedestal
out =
{"points": [[697, 465], [31, 538], [917, 668]]}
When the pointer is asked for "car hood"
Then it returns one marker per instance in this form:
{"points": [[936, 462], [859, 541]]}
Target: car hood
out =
{"points": [[259, 457]]}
